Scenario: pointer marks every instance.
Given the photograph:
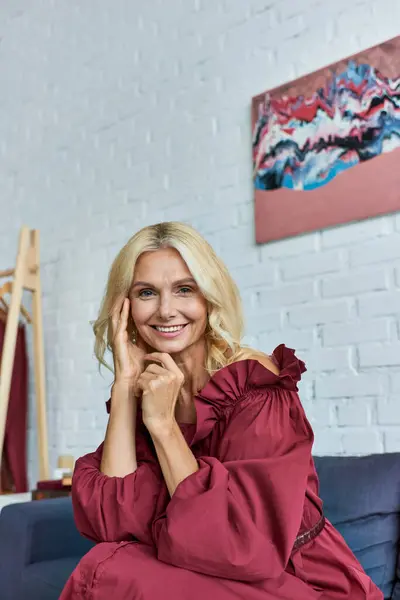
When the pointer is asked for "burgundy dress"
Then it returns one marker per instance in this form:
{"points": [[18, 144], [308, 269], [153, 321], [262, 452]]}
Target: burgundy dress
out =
{"points": [[230, 529]]}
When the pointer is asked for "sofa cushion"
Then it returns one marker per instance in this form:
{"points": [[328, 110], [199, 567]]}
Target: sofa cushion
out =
{"points": [[396, 591], [52, 530], [46, 580], [362, 500]]}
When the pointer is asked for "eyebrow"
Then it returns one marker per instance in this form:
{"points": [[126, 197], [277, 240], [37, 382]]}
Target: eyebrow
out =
{"points": [[179, 282]]}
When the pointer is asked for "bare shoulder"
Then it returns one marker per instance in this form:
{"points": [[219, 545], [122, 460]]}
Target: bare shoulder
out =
{"points": [[264, 359]]}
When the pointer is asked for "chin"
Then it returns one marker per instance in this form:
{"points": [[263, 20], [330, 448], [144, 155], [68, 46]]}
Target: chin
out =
{"points": [[173, 345], [170, 347]]}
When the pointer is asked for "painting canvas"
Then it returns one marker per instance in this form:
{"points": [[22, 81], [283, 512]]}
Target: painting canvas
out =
{"points": [[326, 147]]}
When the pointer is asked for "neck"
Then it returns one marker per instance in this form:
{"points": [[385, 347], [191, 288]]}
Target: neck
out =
{"points": [[191, 362]]}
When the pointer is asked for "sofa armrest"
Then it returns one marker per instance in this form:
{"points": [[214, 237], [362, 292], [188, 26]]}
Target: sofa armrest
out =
{"points": [[32, 532]]}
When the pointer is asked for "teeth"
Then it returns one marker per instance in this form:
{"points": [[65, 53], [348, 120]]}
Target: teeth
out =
{"points": [[170, 329]]}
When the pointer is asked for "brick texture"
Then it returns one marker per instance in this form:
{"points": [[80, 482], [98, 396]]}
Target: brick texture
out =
{"points": [[138, 112]]}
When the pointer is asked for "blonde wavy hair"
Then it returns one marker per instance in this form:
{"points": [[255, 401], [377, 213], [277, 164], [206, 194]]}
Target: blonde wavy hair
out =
{"points": [[225, 316]]}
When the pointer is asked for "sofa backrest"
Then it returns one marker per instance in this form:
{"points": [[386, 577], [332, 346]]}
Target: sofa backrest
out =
{"points": [[362, 500]]}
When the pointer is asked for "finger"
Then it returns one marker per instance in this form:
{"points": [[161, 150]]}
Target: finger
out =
{"points": [[166, 360], [116, 311], [124, 314], [156, 369], [141, 384], [145, 379], [121, 317]]}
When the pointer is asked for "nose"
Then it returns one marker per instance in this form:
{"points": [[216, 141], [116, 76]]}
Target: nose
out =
{"points": [[166, 308]]}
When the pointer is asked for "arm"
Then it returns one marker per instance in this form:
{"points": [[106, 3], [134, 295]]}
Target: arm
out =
{"points": [[160, 387], [174, 455], [238, 516], [115, 489], [119, 453], [116, 508], [119, 449]]}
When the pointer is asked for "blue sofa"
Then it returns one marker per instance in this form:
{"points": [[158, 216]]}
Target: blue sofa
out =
{"points": [[39, 545]]}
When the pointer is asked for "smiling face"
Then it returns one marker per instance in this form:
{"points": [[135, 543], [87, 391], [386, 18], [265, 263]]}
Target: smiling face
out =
{"points": [[167, 307]]}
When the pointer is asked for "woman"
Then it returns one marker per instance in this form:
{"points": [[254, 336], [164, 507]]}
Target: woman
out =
{"points": [[204, 486]]}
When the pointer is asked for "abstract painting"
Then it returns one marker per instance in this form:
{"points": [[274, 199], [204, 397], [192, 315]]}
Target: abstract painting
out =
{"points": [[326, 147]]}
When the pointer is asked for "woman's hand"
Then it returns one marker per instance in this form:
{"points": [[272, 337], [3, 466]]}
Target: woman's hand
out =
{"points": [[128, 357], [160, 384]]}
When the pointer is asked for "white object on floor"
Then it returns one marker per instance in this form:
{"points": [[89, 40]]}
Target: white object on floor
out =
{"points": [[14, 498], [61, 473]]}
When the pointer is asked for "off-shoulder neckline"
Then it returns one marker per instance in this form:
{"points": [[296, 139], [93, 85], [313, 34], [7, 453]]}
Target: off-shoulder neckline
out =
{"points": [[229, 385], [290, 370]]}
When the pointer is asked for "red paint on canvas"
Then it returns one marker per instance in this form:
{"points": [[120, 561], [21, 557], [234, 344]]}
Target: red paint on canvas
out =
{"points": [[326, 147]]}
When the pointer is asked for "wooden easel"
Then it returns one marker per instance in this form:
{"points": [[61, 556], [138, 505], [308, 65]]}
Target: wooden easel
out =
{"points": [[26, 275]]}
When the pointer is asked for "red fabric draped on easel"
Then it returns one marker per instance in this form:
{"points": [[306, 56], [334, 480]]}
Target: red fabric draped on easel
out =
{"points": [[13, 465]]}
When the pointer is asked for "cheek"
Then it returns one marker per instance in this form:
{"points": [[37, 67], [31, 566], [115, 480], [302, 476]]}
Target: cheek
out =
{"points": [[197, 311], [141, 311]]}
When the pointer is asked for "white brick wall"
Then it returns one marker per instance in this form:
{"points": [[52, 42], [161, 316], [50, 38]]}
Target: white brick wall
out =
{"points": [[117, 115]]}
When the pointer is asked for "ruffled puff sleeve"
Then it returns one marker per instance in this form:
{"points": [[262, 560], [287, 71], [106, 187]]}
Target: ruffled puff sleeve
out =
{"points": [[239, 515], [113, 509]]}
